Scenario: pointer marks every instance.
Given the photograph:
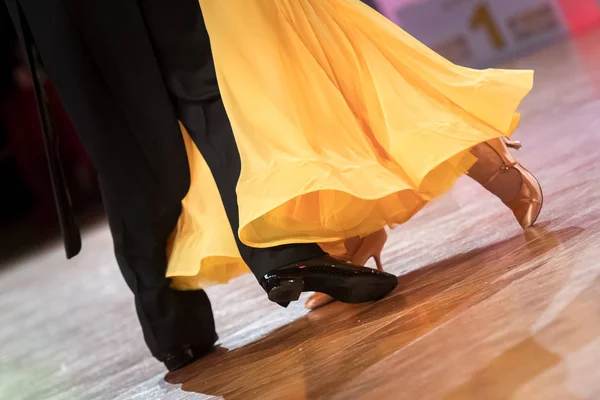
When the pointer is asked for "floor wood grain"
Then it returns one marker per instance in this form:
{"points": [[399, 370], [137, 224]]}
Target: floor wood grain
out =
{"points": [[482, 311]]}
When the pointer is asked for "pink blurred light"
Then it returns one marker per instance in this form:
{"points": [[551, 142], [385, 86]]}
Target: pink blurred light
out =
{"points": [[580, 15]]}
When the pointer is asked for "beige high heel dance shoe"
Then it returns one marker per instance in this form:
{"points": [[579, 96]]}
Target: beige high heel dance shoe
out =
{"points": [[358, 251], [501, 174]]}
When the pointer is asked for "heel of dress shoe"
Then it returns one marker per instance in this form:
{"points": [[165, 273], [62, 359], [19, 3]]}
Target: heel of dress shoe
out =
{"points": [[284, 291]]}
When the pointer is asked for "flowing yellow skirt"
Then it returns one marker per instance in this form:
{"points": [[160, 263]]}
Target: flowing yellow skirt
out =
{"points": [[344, 122]]}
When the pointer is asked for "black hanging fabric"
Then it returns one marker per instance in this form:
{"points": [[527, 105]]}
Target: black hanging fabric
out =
{"points": [[68, 225]]}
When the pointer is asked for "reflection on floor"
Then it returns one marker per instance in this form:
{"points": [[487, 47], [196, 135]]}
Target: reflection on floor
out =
{"points": [[483, 311]]}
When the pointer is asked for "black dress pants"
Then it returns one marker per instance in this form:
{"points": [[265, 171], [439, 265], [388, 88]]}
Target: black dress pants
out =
{"points": [[182, 45], [126, 71]]}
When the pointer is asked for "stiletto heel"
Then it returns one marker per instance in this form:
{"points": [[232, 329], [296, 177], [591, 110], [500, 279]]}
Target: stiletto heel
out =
{"points": [[377, 258], [358, 251], [496, 170], [371, 246], [512, 144]]}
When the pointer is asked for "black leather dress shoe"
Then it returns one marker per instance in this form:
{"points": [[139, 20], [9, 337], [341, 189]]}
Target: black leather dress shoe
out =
{"points": [[343, 281], [184, 356]]}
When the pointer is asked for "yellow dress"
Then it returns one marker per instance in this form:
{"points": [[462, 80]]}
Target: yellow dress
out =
{"points": [[344, 122]]}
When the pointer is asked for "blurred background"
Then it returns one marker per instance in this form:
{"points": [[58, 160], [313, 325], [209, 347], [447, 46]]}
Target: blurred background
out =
{"points": [[473, 33], [27, 211]]}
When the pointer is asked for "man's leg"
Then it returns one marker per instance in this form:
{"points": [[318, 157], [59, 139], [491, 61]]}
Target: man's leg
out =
{"points": [[183, 48], [171, 320]]}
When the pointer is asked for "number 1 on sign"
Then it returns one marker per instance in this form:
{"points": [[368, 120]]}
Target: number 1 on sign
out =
{"points": [[482, 18]]}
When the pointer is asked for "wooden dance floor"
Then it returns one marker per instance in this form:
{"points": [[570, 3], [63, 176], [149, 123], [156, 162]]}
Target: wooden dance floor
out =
{"points": [[483, 311]]}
